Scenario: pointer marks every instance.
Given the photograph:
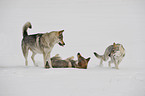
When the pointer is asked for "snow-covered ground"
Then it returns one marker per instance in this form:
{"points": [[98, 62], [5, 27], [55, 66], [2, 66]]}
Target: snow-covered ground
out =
{"points": [[90, 25]]}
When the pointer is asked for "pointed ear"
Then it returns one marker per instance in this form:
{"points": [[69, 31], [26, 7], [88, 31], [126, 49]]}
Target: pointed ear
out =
{"points": [[88, 59], [60, 32], [114, 45]]}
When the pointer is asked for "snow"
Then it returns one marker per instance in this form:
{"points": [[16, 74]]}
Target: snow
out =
{"points": [[90, 25]]}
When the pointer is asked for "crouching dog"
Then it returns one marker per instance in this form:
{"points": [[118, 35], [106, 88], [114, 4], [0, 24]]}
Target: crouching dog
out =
{"points": [[58, 62], [42, 43], [116, 52]]}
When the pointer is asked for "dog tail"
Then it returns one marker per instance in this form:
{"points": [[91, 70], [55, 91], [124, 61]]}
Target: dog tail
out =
{"points": [[25, 27], [98, 56]]}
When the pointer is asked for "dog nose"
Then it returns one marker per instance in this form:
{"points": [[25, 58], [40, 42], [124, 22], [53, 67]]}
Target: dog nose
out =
{"points": [[30, 27], [78, 54], [63, 43]]}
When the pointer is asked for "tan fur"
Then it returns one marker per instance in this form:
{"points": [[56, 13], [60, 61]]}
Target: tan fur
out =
{"points": [[81, 63], [40, 43]]}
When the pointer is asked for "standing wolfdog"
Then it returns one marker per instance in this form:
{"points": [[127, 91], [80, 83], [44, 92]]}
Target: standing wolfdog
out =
{"points": [[40, 43], [116, 52]]}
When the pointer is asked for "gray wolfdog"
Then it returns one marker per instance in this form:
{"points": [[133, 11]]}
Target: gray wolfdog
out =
{"points": [[42, 43], [116, 52], [57, 62]]}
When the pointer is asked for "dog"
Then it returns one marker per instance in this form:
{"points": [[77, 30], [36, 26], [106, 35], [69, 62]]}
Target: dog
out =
{"points": [[58, 62], [116, 52], [42, 43]]}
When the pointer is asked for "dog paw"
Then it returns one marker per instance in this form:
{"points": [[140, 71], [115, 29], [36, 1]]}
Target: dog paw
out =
{"points": [[115, 68], [47, 65], [36, 64]]}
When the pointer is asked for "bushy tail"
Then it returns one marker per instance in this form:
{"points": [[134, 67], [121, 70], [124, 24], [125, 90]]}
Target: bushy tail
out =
{"points": [[98, 56], [25, 27]]}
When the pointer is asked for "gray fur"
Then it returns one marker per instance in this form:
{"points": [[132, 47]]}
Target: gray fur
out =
{"points": [[40, 43], [116, 52]]}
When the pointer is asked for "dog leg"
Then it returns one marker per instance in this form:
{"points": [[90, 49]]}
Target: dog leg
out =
{"points": [[32, 57], [47, 65], [49, 60], [116, 64], [120, 59], [101, 63], [44, 57], [25, 53], [26, 56], [26, 62], [109, 63]]}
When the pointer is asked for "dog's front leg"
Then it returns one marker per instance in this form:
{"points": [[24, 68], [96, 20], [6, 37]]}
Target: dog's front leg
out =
{"points": [[49, 60], [115, 62], [109, 63]]}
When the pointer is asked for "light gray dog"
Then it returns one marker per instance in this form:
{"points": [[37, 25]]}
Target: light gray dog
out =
{"points": [[42, 43], [116, 52]]}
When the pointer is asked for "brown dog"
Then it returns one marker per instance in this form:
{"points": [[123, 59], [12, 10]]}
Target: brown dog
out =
{"points": [[57, 62]]}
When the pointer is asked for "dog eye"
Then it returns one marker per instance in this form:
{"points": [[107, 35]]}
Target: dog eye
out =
{"points": [[60, 36]]}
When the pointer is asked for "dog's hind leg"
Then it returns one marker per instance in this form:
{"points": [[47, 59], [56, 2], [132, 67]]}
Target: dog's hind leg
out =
{"points": [[32, 57], [44, 57], [25, 50], [101, 62]]}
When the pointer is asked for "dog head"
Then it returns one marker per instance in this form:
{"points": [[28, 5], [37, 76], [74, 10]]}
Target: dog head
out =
{"points": [[60, 37], [115, 48], [118, 50], [82, 62]]}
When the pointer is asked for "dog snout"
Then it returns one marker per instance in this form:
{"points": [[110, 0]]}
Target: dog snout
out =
{"points": [[61, 43]]}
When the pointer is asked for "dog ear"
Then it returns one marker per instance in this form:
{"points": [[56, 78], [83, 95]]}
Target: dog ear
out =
{"points": [[60, 32], [114, 45], [88, 59], [78, 55]]}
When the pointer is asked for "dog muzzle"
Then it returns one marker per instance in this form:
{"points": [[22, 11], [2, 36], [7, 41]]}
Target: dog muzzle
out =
{"points": [[61, 43]]}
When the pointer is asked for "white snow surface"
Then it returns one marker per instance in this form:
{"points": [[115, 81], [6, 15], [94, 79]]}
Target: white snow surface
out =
{"points": [[90, 25]]}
